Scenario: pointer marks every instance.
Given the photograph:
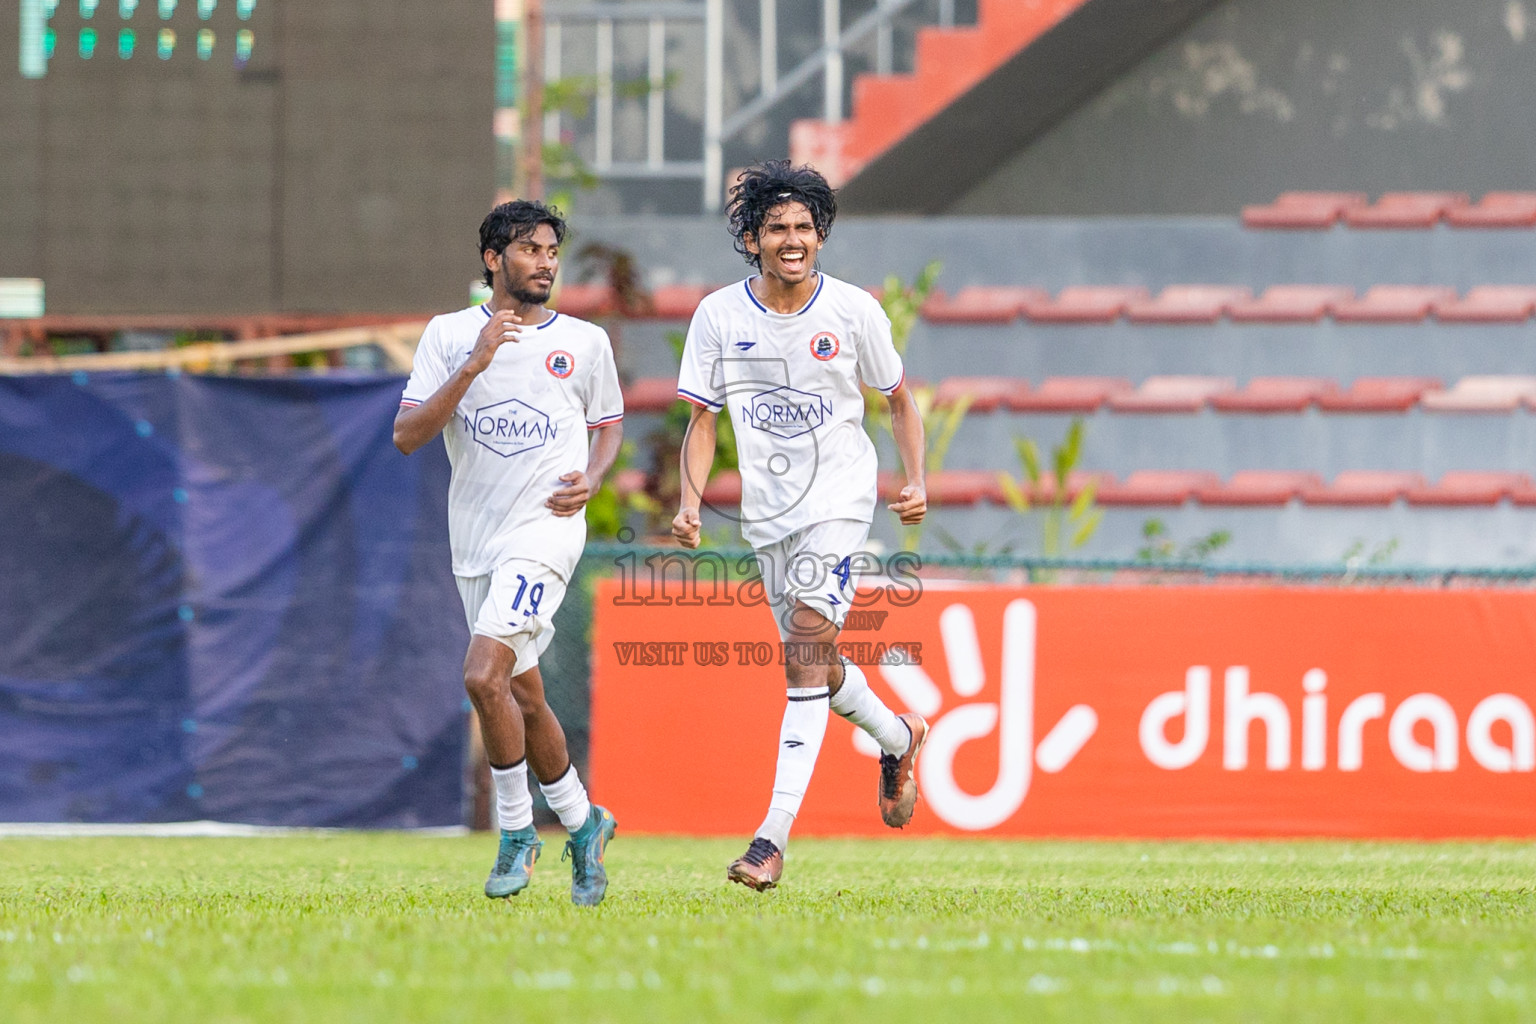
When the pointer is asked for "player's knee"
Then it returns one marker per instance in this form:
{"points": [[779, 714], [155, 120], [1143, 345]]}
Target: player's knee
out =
{"points": [[811, 673], [481, 684]]}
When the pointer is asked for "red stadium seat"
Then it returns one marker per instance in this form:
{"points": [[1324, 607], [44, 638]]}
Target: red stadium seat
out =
{"points": [[1275, 394], [1405, 210], [724, 488], [987, 393], [1291, 303], [1085, 304], [1392, 303], [1171, 394], [629, 481], [1490, 304], [1490, 393], [1045, 491], [650, 394], [678, 301], [976, 304], [1261, 487], [1364, 487], [1473, 488], [1069, 394], [1496, 210], [1312, 210], [1158, 487], [1187, 304], [584, 300], [961, 486], [1378, 394]]}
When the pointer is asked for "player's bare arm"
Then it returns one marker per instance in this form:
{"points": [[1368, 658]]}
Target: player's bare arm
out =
{"points": [[907, 427], [415, 426], [696, 461], [580, 486]]}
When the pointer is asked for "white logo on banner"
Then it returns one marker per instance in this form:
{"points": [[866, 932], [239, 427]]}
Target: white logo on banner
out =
{"points": [[1012, 718]]}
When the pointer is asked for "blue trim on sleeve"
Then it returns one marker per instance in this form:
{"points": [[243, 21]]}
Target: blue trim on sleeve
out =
{"points": [[700, 399]]}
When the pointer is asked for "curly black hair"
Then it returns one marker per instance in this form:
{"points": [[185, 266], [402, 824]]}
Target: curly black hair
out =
{"points": [[514, 221], [767, 186]]}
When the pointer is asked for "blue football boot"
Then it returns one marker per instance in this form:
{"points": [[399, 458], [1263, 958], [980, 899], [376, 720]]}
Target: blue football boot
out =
{"points": [[585, 849], [515, 858]]}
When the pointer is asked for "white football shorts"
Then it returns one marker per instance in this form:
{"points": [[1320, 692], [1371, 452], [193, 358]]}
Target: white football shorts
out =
{"points": [[817, 567], [516, 606]]}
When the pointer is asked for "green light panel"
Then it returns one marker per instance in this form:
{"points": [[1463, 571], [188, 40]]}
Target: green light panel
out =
{"points": [[88, 9], [125, 8], [125, 40], [167, 8], [205, 8], [87, 43], [245, 42], [243, 9], [165, 44], [204, 43]]}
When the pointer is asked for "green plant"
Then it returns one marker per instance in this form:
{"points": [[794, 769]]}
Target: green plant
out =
{"points": [[903, 302], [664, 483], [1075, 521], [1356, 554], [608, 510], [1161, 547]]}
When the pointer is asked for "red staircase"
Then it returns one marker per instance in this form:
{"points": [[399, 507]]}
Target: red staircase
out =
{"points": [[948, 63]]}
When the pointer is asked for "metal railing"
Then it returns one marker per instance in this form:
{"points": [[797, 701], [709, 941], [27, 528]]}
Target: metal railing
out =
{"points": [[775, 87]]}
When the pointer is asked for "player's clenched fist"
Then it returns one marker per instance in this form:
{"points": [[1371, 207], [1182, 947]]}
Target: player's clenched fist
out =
{"points": [[685, 527], [503, 326], [911, 505]]}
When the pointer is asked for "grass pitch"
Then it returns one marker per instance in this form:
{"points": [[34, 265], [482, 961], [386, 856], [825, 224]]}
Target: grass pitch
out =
{"points": [[374, 927]]}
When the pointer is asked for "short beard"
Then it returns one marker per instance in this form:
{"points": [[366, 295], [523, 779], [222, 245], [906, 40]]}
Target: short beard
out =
{"points": [[528, 297]]}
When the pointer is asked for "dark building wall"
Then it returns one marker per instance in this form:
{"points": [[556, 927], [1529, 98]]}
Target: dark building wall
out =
{"points": [[1261, 96], [345, 167]]}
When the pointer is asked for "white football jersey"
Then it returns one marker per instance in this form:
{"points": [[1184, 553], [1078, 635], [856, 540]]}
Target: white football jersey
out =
{"points": [[790, 383], [520, 427]]}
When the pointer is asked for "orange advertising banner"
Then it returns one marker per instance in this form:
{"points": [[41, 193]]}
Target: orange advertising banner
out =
{"points": [[1103, 711]]}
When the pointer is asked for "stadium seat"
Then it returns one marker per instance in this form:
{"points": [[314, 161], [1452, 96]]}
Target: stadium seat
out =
{"points": [[1069, 394], [629, 481], [1392, 303], [1044, 492], [1474, 488], [1364, 487], [1378, 394], [1290, 303], [1491, 393], [724, 488], [1187, 304], [987, 393], [1171, 394], [1275, 394], [1158, 487], [1260, 487], [1404, 210], [976, 304], [678, 301], [584, 300], [1085, 304], [650, 394], [1489, 304], [1496, 210], [1313, 210], [962, 486]]}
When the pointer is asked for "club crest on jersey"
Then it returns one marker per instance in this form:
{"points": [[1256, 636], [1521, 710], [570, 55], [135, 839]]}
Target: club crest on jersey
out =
{"points": [[560, 363], [825, 346]]}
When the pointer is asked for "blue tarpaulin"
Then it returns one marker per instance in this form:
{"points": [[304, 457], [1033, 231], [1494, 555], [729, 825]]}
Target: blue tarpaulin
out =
{"points": [[224, 598]]}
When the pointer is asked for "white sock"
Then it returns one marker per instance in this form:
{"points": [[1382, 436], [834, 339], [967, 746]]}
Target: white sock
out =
{"points": [[805, 723], [514, 804], [856, 702], [567, 797]]}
